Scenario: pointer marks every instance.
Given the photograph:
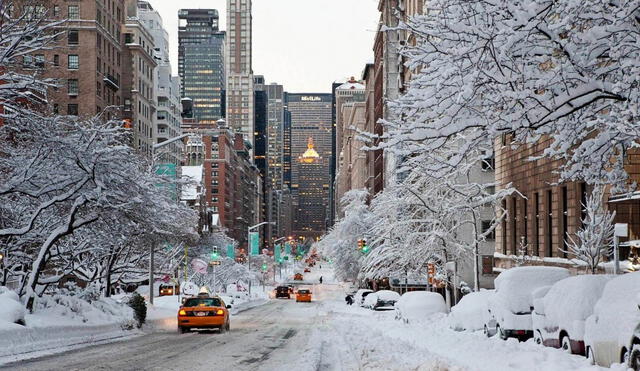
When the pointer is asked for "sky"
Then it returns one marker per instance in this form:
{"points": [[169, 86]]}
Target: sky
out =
{"points": [[305, 45]]}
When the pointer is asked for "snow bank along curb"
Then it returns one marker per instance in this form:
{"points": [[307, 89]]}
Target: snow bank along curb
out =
{"points": [[24, 343]]}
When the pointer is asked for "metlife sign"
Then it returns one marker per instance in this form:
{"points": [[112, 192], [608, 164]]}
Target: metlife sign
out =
{"points": [[309, 98]]}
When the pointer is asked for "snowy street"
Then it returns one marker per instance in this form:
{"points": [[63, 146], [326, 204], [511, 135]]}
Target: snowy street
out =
{"points": [[323, 335]]}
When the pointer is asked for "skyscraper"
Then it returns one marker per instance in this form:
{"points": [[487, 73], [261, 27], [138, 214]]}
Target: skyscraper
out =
{"points": [[275, 131], [240, 90], [311, 117], [201, 62], [168, 120]]}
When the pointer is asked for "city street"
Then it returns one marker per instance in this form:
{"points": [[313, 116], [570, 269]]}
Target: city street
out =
{"points": [[323, 335]]}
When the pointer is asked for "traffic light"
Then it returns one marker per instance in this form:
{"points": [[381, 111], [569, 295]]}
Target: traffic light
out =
{"points": [[215, 255], [264, 267], [362, 246]]}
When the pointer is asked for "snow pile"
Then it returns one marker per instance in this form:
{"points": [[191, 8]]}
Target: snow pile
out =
{"points": [[470, 313], [616, 315], [569, 302], [11, 310], [515, 286], [419, 305], [370, 300], [61, 310]]}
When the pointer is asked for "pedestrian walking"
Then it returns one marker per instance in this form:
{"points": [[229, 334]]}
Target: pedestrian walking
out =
{"points": [[320, 279]]}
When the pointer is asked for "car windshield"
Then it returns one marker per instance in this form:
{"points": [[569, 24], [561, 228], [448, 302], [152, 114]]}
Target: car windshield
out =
{"points": [[282, 288], [203, 302], [304, 292]]}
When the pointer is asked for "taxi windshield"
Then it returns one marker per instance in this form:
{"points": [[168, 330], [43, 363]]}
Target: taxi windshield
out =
{"points": [[304, 292], [203, 302]]}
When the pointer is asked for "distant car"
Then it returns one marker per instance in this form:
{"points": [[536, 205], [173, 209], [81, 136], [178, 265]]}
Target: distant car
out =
{"points": [[611, 332], [415, 306], [471, 312], [559, 315], [634, 358], [283, 292], [298, 277], [358, 298], [381, 300], [307, 270], [303, 295], [203, 312], [168, 290], [510, 307]]}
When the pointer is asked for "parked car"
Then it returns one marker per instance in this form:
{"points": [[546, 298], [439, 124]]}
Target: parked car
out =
{"points": [[470, 314], [381, 300], [560, 313], [358, 299], [510, 308], [417, 305], [634, 358], [298, 277], [610, 330]]}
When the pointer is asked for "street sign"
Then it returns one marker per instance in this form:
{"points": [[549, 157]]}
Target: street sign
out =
{"points": [[214, 262], [621, 230], [231, 251], [287, 248], [254, 243], [276, 252]]}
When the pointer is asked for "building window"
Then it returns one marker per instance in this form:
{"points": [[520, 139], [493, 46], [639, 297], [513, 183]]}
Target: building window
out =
{"points": [[72, 86], [56, 60], [565, 221], [73, 62], [27, 61], [56, 108], [486, 225], [487, 264], [72, 109], [56, 11], [73, 12], [536, 220], [72, 37], [39, 60]]}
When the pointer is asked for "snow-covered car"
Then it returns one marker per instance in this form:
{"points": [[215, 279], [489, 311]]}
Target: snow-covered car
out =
{"points": [[470, 314], [634, 358], [415, 306], [381, 300], [559, 315], [360, 295], [609, 331], [511, 305]]}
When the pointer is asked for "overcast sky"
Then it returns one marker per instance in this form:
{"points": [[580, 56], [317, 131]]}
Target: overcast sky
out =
{"points": [[303, 44]]}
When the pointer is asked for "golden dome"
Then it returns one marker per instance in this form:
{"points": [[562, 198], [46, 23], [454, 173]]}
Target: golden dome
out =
{"points": [[310, 155]]}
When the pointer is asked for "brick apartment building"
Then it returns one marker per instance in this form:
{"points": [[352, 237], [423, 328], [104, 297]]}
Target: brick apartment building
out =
{"points": [[230, 179]]}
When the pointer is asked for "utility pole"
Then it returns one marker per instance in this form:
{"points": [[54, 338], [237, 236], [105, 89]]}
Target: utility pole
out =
{"points": [[151, 274]]}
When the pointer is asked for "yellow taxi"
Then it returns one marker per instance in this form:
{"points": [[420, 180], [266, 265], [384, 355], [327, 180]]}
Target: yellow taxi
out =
{"points": [[203, 312], [303, 295]]}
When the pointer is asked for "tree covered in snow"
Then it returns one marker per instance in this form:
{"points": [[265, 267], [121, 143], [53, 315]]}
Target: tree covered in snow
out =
{"points": [[75, 199], [341, 242], [524, 70], [594, 240]]}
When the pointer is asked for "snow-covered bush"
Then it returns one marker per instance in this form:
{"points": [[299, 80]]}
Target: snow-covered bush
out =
{"points": [[11, 310]]}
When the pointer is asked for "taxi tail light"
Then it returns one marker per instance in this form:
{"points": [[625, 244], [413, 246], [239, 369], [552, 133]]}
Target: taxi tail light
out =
{"points": [[219, 312], [182, 312]]}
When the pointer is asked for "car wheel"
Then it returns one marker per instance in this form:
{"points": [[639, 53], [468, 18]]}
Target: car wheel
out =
{"points": [[537, 338], [501, 333], [624, 356], [228, 326], [486, 331], [183, 330], [590, 357], [634, 358], [565, 344]]}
